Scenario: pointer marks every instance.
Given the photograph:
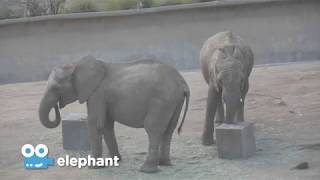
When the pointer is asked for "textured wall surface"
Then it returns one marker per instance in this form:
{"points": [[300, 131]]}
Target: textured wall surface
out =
{"points": [[278, 31]]}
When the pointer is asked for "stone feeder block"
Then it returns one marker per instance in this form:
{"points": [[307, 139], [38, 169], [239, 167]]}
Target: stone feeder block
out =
{"points": [[235, 141], [74, 132]]}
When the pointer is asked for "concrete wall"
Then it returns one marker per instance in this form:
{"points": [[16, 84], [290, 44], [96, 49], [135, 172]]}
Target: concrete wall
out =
{"points": [[279, 31]]}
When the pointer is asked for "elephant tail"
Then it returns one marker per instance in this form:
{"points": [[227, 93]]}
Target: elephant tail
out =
{"points": [[187, 97]]}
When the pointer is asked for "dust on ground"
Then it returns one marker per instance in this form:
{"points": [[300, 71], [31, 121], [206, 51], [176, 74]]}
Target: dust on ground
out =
{"points": [[283, 102]]}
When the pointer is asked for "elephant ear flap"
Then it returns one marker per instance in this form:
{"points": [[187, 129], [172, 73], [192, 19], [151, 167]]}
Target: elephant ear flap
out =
{"points": [[88, 75]]}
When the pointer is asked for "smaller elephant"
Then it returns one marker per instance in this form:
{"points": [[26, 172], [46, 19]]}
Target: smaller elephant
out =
{"points": [[144, 94], [226, 62]]}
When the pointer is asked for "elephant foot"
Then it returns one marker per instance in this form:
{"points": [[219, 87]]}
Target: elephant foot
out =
{"points": [[165, 162], [147, 168], [208, 142]]}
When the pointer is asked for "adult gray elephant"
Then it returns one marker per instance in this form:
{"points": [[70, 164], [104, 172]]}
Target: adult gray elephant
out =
{"points": [[144, 94], [226, 62]]}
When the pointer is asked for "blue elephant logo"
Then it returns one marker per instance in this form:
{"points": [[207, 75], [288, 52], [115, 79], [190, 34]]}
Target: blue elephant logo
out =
{"points": [[36, 158]]}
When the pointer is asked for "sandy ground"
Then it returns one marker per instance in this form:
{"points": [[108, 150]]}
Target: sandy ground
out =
{"points": [[283, 102]]}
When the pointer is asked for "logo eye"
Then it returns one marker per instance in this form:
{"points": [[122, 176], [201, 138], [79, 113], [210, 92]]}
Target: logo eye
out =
{"points": [[27, 150], [41, 150]]}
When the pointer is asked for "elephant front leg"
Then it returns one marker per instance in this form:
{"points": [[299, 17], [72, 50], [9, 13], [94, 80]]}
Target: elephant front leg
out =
{"points": [[207, 136], [95, 141], [220, 111], [95, 134], [110, 140]]}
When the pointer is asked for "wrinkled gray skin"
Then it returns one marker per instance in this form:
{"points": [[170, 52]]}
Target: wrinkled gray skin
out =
{"points": [[145, 94], [226, 62]]}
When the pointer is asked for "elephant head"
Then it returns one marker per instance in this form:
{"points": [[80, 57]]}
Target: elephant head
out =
{"points": [[69, 83], [230, 80]]}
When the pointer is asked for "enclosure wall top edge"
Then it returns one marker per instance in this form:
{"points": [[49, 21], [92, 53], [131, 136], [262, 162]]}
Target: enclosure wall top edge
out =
{"points": [[182, 7]]}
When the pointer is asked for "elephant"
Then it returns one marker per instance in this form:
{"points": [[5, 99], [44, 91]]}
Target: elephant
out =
{"points": [[142, 94], [226, 63]]}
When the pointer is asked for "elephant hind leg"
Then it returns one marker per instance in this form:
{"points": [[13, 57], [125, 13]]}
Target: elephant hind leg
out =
{"points": [[167, 136], [155, 124]]}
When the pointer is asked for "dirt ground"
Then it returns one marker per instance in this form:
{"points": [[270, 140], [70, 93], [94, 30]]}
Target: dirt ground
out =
{"points": [[283, 102]]}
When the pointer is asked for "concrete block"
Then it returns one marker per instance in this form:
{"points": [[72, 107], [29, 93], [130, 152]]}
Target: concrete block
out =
{"points": [[235, 141], [75, 133]]}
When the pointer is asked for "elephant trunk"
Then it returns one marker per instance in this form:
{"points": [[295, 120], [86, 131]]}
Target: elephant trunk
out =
{"points": [[49, 101], [230, 113], [232, 107]]}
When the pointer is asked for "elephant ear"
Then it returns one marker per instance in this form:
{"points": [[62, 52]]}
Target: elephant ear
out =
{"points": [[88, 75]]}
